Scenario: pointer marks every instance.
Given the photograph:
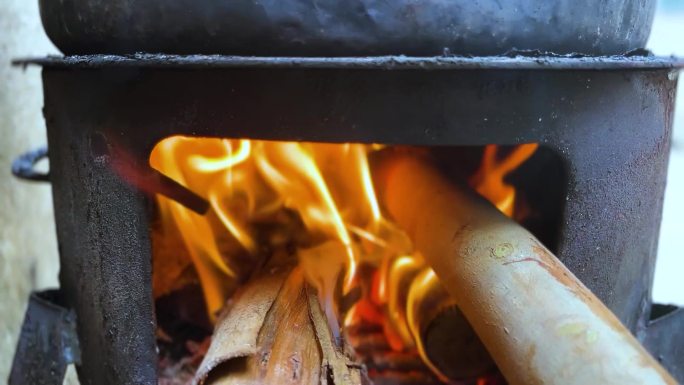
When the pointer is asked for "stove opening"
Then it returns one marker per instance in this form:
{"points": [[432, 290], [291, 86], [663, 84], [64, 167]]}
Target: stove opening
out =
{"points": [[298, 273]]}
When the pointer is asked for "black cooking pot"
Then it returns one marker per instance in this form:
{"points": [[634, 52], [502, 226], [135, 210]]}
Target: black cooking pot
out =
{"points": [[347, 27]]}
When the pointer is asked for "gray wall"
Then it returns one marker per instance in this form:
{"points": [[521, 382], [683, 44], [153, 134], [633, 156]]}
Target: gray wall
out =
{"points": [[28, 251], [667, 38]]}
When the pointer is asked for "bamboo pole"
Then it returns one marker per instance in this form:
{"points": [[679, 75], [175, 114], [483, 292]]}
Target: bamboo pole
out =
{"points": [[538, 321]]}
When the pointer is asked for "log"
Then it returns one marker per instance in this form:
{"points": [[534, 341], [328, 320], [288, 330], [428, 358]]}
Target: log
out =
{"points": [[275, 332], [454, 349], [451, 348], [538, 321]]}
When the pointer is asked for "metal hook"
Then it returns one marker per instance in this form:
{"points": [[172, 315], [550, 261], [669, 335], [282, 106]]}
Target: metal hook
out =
{"points": [[23, 165]]}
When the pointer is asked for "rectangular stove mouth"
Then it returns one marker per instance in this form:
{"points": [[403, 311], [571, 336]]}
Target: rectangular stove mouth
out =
{"points": [[604, 122], [312, 208]]}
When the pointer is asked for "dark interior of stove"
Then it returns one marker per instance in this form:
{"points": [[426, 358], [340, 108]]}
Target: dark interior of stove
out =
{"points": [[540, 184], [184, 329]]}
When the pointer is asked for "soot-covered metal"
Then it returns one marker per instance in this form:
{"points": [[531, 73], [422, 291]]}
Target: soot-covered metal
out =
{"points": [[357, 28], [608, 119]]}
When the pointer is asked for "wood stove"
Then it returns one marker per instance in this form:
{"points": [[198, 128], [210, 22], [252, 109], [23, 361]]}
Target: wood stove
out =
{"points": [[607, 120], [602, 125]]}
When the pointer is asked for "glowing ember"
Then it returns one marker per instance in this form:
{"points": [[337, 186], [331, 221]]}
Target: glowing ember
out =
{"points": [[317, 200]]}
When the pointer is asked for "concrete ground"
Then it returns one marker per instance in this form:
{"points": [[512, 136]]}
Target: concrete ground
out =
{"points": [[28, 251]]}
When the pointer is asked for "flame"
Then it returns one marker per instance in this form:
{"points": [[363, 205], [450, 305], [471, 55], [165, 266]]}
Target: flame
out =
{"points": [[319, 201], [489, 179], [251, 182], [291, 170], [400, 276], [426, 294]]}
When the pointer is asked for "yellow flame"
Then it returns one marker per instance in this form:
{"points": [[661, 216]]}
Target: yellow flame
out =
{"points": [[425, 288], [369, 190], [290, 168], [197, 234], [489, 179], [401, 274], [234, 228], [247, 181], [206, 164]]}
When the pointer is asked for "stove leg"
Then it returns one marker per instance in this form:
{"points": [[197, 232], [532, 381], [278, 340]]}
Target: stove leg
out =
{"points": [[664, 338], [105, 256], [47, 344]]}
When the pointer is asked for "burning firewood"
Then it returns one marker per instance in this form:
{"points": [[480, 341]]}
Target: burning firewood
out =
{"points": [[537, 320], [275, 332]]}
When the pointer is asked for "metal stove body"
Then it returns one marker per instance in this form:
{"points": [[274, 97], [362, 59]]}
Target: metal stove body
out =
{"points": [[608, 118]]}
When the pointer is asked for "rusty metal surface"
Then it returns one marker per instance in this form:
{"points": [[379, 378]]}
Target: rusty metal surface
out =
{"points": [[611, 129], [335, 28], [47, 344], [517, 60], [102, 228], [145, 178]]}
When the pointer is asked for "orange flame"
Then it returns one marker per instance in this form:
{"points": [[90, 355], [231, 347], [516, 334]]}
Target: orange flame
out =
{"points": [[247, 182], [489, 179], [318, 199]]}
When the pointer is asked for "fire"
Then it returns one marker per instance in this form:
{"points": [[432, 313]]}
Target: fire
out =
{"points": [[489, 179], [317, 201]]}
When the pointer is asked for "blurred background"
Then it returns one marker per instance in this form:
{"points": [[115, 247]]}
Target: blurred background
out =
{"points": [[28, 247], [667, 37]]}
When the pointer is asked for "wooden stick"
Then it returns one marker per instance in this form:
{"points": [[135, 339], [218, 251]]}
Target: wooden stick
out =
{"points": [[538, 321], [276, 333]]}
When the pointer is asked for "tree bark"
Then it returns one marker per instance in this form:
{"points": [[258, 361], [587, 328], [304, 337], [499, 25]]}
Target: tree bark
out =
{"points": [[274, 332]]}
